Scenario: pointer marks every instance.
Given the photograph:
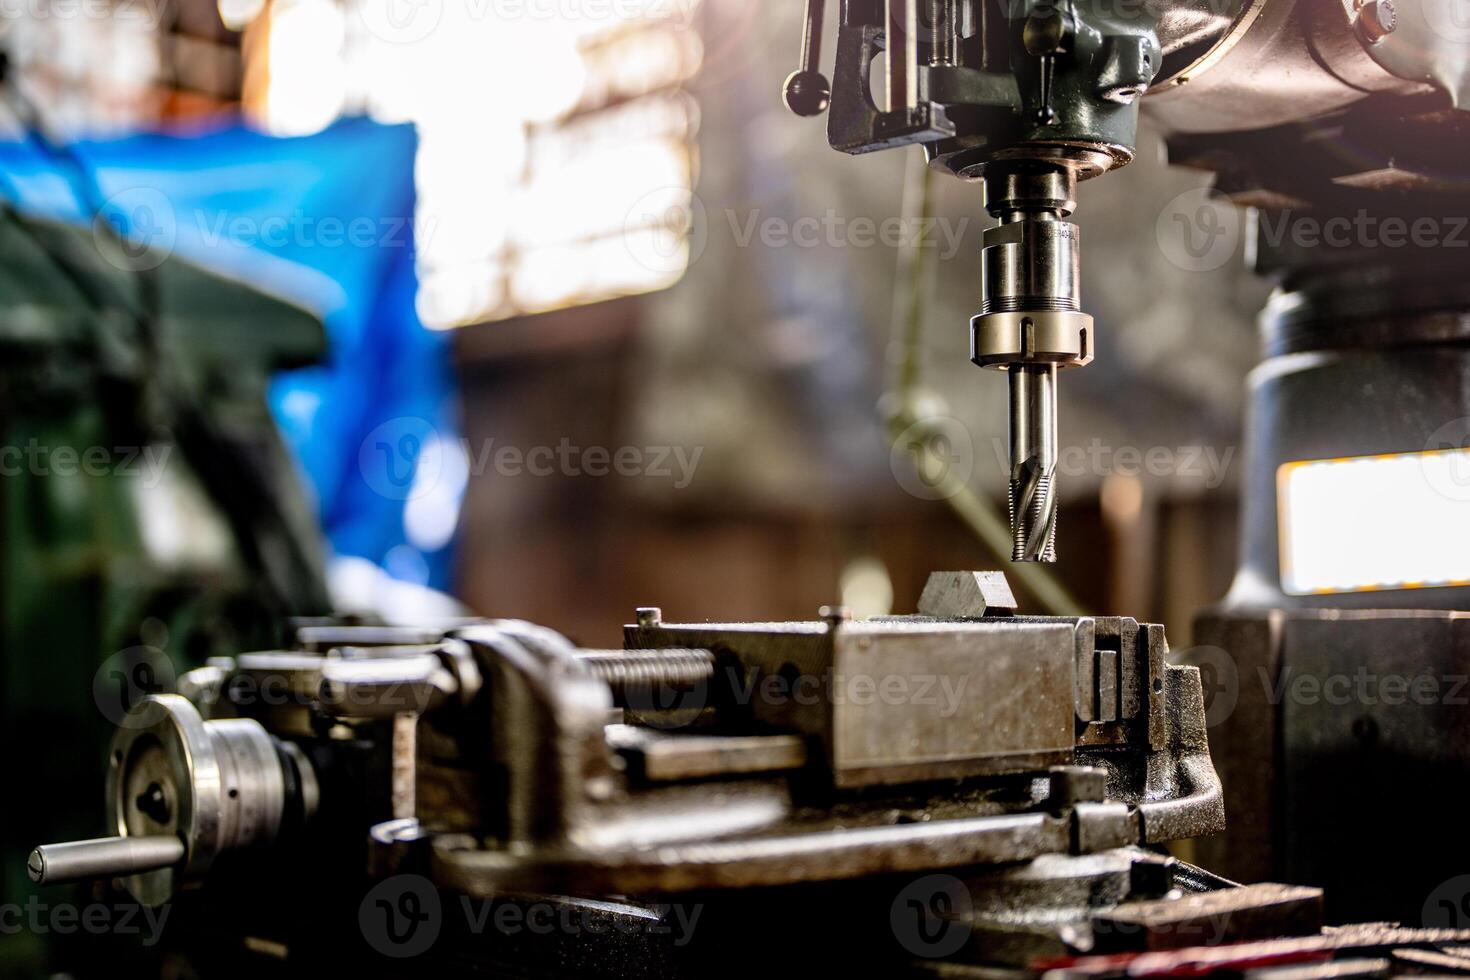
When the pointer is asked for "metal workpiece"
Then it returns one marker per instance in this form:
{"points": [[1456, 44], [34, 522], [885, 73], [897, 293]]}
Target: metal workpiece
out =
{"points": [[967, 595]]}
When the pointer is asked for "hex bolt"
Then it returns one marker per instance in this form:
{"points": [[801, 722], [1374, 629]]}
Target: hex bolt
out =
{"points": [[1376, 20], [649, 616]]}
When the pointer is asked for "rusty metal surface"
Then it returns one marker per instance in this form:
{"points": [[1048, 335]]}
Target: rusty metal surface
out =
{"points": [[1349, 942], [1229, 916], [1023, 763], [1013, 715], [660, 757], [885, 698]]}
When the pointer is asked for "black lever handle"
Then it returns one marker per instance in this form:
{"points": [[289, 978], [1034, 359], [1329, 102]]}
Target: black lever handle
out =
{"points": [[808, 93]]}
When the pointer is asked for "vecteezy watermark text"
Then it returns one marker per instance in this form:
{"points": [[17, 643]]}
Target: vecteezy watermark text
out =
{"points": [[676, 463], [675, 705], [403, 917], [146, 13], [836, 230], [36, 458], [942, 692], [406, 457], [1364, 230], [97, 918], [1200, 230], [1206, 464], [410, 21], [1221, 683]]}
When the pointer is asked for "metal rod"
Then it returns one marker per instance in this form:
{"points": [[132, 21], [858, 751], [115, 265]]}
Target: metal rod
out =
{"points": [[106, 857], [903, 54], [807, 91], [811, 35]]}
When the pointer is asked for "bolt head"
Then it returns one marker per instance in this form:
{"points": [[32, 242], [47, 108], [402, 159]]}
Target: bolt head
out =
{"points": [[650, 615], [1376, 20]]}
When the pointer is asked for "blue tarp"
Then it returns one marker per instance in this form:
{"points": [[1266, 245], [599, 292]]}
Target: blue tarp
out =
{"points": [[327, 221]]}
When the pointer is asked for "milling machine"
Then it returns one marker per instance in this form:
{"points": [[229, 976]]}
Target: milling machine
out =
{"points": [[963, 786], [1342, 125], [962, 792]]}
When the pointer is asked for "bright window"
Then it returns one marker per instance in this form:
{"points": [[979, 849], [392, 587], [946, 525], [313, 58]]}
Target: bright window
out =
{"points": [[1375, 522], [556, 164]]}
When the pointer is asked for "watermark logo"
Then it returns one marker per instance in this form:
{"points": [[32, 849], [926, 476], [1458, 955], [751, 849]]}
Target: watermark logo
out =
{"points": [[934, 458], [400, 21], [1219, 679], [931, 916], [1450, 19], [401, 916], [668, 706], [136, 230], [667, 230], [393, 461], [1449, 473], [126, 678], [1199, 230], [1448, 906]]}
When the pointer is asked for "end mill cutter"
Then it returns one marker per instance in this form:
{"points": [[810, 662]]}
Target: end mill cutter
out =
{"points": [[1031, 325]]}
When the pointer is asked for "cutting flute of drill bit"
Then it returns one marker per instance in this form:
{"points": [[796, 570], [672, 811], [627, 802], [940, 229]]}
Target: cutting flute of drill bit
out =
{"points": [[1033, 436]]}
